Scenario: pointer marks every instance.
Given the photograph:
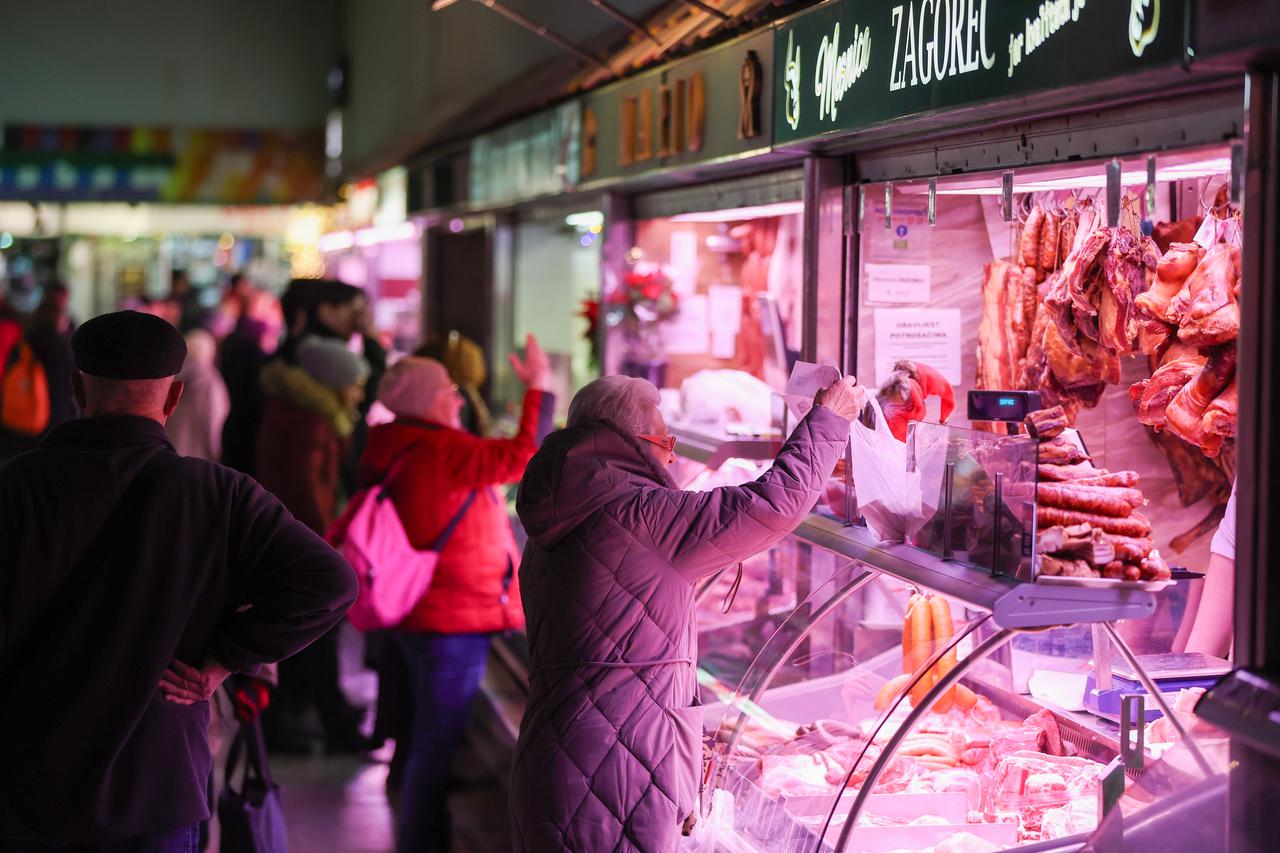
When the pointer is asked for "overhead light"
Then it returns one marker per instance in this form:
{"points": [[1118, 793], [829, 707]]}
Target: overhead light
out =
{"points": [[437, 5], [759, 211], [587, 220]]}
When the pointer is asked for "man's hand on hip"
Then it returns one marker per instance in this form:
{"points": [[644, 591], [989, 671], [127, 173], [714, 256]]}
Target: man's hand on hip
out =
{"points": [[186, 685]]}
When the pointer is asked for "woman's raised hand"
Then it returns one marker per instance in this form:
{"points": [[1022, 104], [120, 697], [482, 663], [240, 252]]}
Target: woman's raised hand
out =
{"points": [[533, 370], [845, 397]]}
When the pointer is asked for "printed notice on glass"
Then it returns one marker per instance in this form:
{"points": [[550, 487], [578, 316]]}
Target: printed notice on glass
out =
{"points": [[928, 335], [898, 283]]}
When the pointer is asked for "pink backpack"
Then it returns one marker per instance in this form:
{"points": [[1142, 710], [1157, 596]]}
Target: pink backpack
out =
{"points": [[393, 574]]}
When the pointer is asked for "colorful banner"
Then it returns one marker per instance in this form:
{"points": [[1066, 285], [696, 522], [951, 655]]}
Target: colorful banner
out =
{"points": [[161, 165]]}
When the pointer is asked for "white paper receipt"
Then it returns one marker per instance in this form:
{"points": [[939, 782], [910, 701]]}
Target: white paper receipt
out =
{"points": [[806, 381]]}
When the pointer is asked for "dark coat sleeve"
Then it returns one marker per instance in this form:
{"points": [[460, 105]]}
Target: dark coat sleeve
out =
{"points": [[289, 589]]}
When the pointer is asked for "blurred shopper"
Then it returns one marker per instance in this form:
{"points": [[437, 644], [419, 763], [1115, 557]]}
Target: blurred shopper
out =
{"points": [[184, 302], [48, 333], [11, 443], [243, 355], [446, 473], [195, 427], [309, 414], [465, 361], [10, 330], [610, 748], [134, 581], [235, 304], [338, 311]]}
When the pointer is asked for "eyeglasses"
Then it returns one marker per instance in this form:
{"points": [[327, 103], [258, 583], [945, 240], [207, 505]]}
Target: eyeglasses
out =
{"points": [[666, 442]]}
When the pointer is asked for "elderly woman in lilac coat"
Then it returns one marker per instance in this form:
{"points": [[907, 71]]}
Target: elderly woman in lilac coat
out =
{"points": [[610, 749]]}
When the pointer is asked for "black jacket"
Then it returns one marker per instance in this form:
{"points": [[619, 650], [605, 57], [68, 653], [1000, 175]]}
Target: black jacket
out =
{"points": [[204, 562]]}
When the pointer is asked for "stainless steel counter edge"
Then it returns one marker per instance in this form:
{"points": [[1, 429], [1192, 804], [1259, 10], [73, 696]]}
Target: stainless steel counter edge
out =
{"points": [[1011, 603]]}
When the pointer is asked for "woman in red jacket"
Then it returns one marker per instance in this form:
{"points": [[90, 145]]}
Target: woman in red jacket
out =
{"points": [[474, 593]]}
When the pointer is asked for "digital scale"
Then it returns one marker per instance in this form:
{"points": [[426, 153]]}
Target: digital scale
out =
{"points": [[1007, 407], [1110, 682]]}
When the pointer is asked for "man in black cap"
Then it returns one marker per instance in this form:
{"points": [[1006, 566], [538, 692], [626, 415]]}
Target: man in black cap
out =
{"points": [[132, 581]]}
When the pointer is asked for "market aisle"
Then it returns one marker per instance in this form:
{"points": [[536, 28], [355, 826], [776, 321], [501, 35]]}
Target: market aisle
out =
{"points": [[340, 805]]}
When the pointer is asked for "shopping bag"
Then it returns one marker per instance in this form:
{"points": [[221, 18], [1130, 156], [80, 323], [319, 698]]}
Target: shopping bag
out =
{"points": [[251, 818], [888, 494], [392, 574]]}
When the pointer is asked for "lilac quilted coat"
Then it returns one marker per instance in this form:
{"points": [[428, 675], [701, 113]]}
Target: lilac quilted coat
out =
{"points": [[610, 748]]}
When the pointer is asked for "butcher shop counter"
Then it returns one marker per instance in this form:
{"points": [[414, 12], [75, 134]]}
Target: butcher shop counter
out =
{"points": [[891, 699]]}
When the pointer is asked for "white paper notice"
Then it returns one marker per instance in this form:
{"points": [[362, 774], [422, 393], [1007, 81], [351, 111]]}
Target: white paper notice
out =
{"points": [[686, 333], [929, 335], [684, 261], [806, 381], [724, 315], [897, 282]]}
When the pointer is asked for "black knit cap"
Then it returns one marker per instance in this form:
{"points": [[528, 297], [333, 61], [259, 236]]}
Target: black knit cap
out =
{"points": [[128, 345]]}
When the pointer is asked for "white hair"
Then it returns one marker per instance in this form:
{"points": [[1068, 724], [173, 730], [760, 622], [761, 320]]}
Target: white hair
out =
{"points": [[626, 401]]}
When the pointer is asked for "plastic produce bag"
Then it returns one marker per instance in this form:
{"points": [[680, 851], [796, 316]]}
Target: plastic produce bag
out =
{"points": [[888, 495]]}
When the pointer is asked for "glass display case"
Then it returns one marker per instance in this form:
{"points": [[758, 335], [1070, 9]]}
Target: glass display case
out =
{"points": [[912, 703]]}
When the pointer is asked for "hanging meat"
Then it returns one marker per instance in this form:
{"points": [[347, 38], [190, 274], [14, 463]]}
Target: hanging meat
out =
{"points": [[1127, 272], [1029, 243], [1068, 300], [1167, 234], [1219, 421], [1212, 315], [1172, 271], [1188, 409], [1005, 330], [1151, 397]]}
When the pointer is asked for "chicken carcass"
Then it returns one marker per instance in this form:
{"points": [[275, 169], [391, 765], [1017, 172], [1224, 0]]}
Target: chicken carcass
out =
{"points": [[1189, 407], [1212, 316]]}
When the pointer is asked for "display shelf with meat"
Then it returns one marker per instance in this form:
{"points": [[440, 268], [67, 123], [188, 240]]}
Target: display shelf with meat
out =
{"points": [[964, 767], [1089, 523]]}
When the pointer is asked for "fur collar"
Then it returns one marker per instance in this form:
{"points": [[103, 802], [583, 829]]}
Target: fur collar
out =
{"points": [[294, 386]]}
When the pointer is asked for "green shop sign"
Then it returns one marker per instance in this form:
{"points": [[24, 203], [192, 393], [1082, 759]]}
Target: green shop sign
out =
{"points": [[856, 63]]}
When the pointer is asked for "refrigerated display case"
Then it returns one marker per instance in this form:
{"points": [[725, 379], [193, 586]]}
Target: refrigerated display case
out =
{"points": [[828, 729]]}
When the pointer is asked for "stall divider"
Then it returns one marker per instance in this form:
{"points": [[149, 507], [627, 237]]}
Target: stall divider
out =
{"points": [[1254, 822]]}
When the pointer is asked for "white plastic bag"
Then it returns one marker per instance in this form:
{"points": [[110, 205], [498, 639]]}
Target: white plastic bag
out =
{"points": [[721, 396], [888, 495]]}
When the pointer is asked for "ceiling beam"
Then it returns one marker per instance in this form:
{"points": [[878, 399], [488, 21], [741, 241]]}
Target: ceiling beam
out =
{"points": [[626, 20], [710, 10], [534, 27]]}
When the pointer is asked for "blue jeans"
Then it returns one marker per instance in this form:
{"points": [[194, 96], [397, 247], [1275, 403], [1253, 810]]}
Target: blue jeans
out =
{"points": [[444, 678], [184, 840]]}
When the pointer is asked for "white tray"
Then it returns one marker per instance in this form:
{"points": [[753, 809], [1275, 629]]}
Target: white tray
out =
{"points": [[1104, 583]]}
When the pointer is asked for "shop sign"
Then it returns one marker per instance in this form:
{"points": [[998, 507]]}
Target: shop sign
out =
{"points": [[852, 64], [708, 107], [533, 157], [158, 164]]}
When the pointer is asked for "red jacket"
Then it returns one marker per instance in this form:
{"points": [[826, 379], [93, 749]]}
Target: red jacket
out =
{"points": [[474, 589]]}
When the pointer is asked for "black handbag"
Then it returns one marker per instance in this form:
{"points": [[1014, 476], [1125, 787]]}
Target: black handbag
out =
{"points": [[251, 818]]}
